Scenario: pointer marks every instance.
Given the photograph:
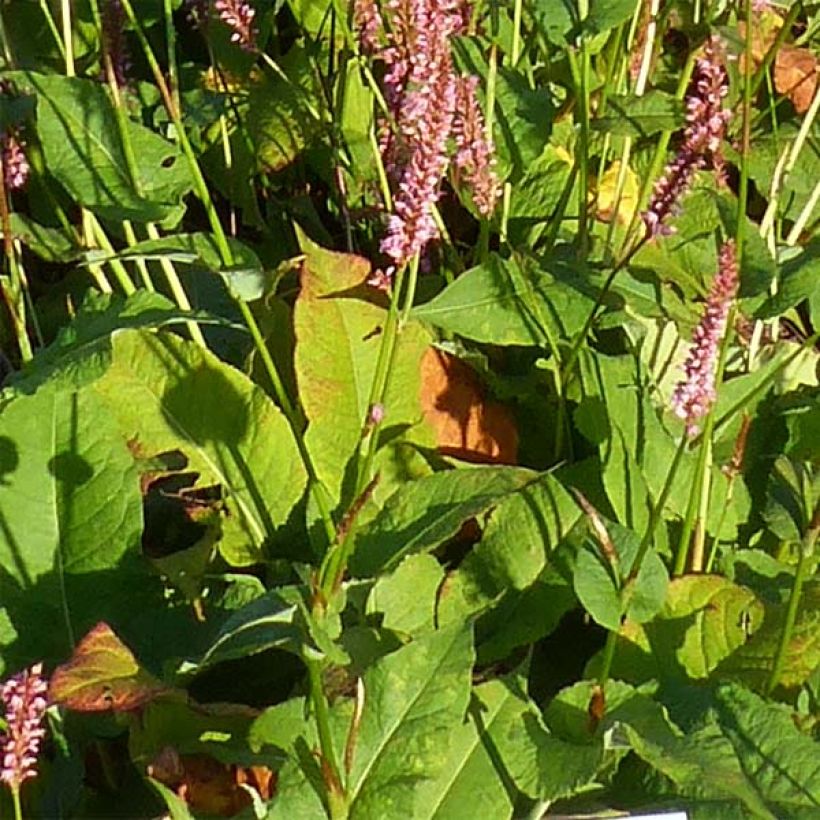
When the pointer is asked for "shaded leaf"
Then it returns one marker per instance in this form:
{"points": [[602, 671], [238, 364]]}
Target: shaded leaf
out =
{"points": [[103, 675]]}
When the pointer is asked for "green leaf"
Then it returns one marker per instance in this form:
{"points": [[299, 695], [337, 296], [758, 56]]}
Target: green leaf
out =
{"points": [[473, 782], [541, 764], [752, 663], [426, 512], [277, 619], [82, 350], [70, 517], [407, 597], [76, 124], [797, 281], [701, 764], [705, 620], [281, 115], [774, 754], [514, 549], [561, 22], [414, 699], [510, 302], [632, 116], [50, 244], [170, 395], [338, 337], [601, 583]]}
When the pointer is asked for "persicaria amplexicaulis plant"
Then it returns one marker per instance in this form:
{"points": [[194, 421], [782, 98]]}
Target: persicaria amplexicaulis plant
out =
{"points": [[702, 139], [15, 165], [695, 393], [25, 701], [238, 15], [429, 107]]}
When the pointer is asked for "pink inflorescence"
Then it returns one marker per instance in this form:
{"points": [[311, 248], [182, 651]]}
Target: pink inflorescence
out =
{"points": [[24, 698], [475, 156], [695, 393], [238, 16], [15, 165], [706, 126], [428, 104]]}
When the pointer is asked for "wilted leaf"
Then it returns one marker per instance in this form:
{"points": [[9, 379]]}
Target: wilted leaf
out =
{"points": [[103, 675], [608, 188], [795, 75], [467, 425]]}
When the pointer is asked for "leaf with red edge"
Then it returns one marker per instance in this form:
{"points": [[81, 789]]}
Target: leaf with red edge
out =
{"points": [[103, 675]]}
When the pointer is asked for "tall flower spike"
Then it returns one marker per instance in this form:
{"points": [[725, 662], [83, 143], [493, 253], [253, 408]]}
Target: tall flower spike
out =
{"points": [[695, 393], [24, 698], [706, 126], [474, 155], [238, 15]]}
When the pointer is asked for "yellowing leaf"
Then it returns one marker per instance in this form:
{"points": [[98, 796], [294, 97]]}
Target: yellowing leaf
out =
{"points": [[607, 195]]}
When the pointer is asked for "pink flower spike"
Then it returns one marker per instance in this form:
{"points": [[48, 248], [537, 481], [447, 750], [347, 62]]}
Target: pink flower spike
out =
{"points": [[706, 127], [696, 392], [238, 16], [15, 165], [24, 698], [475, 153]]}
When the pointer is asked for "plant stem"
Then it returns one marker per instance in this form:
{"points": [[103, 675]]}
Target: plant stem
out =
{"points": [[68, 40], [743, 190], [803, 563], [322, 715], [609, 656], [15, 799]]}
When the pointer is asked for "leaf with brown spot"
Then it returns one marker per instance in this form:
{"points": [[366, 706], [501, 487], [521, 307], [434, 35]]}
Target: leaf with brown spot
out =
{"points": [[795, 75], [103, 675], [466, 424], [208, 786]]}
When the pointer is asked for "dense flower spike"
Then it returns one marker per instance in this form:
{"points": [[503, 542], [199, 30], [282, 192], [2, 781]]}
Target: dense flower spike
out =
{"points": [[428, 104], [15, 164], [113, 32], [694, 395], [702, 139], [475, 156], [24, 698], [238, 16]]}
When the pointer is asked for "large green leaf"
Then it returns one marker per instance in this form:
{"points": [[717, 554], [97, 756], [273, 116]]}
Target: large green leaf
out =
{"points": [[77, 127], [752, 663], [780, 760], [82, 350], [70, 521], [705, 620], [634, 116], [426, 512], [510, 302], [507, 577], [337, 345], [170, 395], [414, 699]]}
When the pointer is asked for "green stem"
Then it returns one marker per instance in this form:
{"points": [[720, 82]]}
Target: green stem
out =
{"points": [[609, 656], [322, 715], [68, 41], [803, 563], [15, 799], [657, 511]]}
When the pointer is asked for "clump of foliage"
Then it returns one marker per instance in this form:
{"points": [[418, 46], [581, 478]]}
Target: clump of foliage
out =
{"points": [[409, 408]]}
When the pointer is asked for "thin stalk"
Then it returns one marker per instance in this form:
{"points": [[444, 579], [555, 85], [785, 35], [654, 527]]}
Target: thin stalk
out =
{"points": [[142, 265], [178, 292], [52, 27], [171, 47], [657, 511], [96, 237], [743, 190], [803, 564], [699, 540], [68, 41], [15, 799], [609, 656], [803, 218], [322, 716], [579, 70], [7, 55]]}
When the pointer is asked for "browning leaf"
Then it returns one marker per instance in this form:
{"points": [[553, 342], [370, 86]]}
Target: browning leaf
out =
{"points": [[466, 424]]}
